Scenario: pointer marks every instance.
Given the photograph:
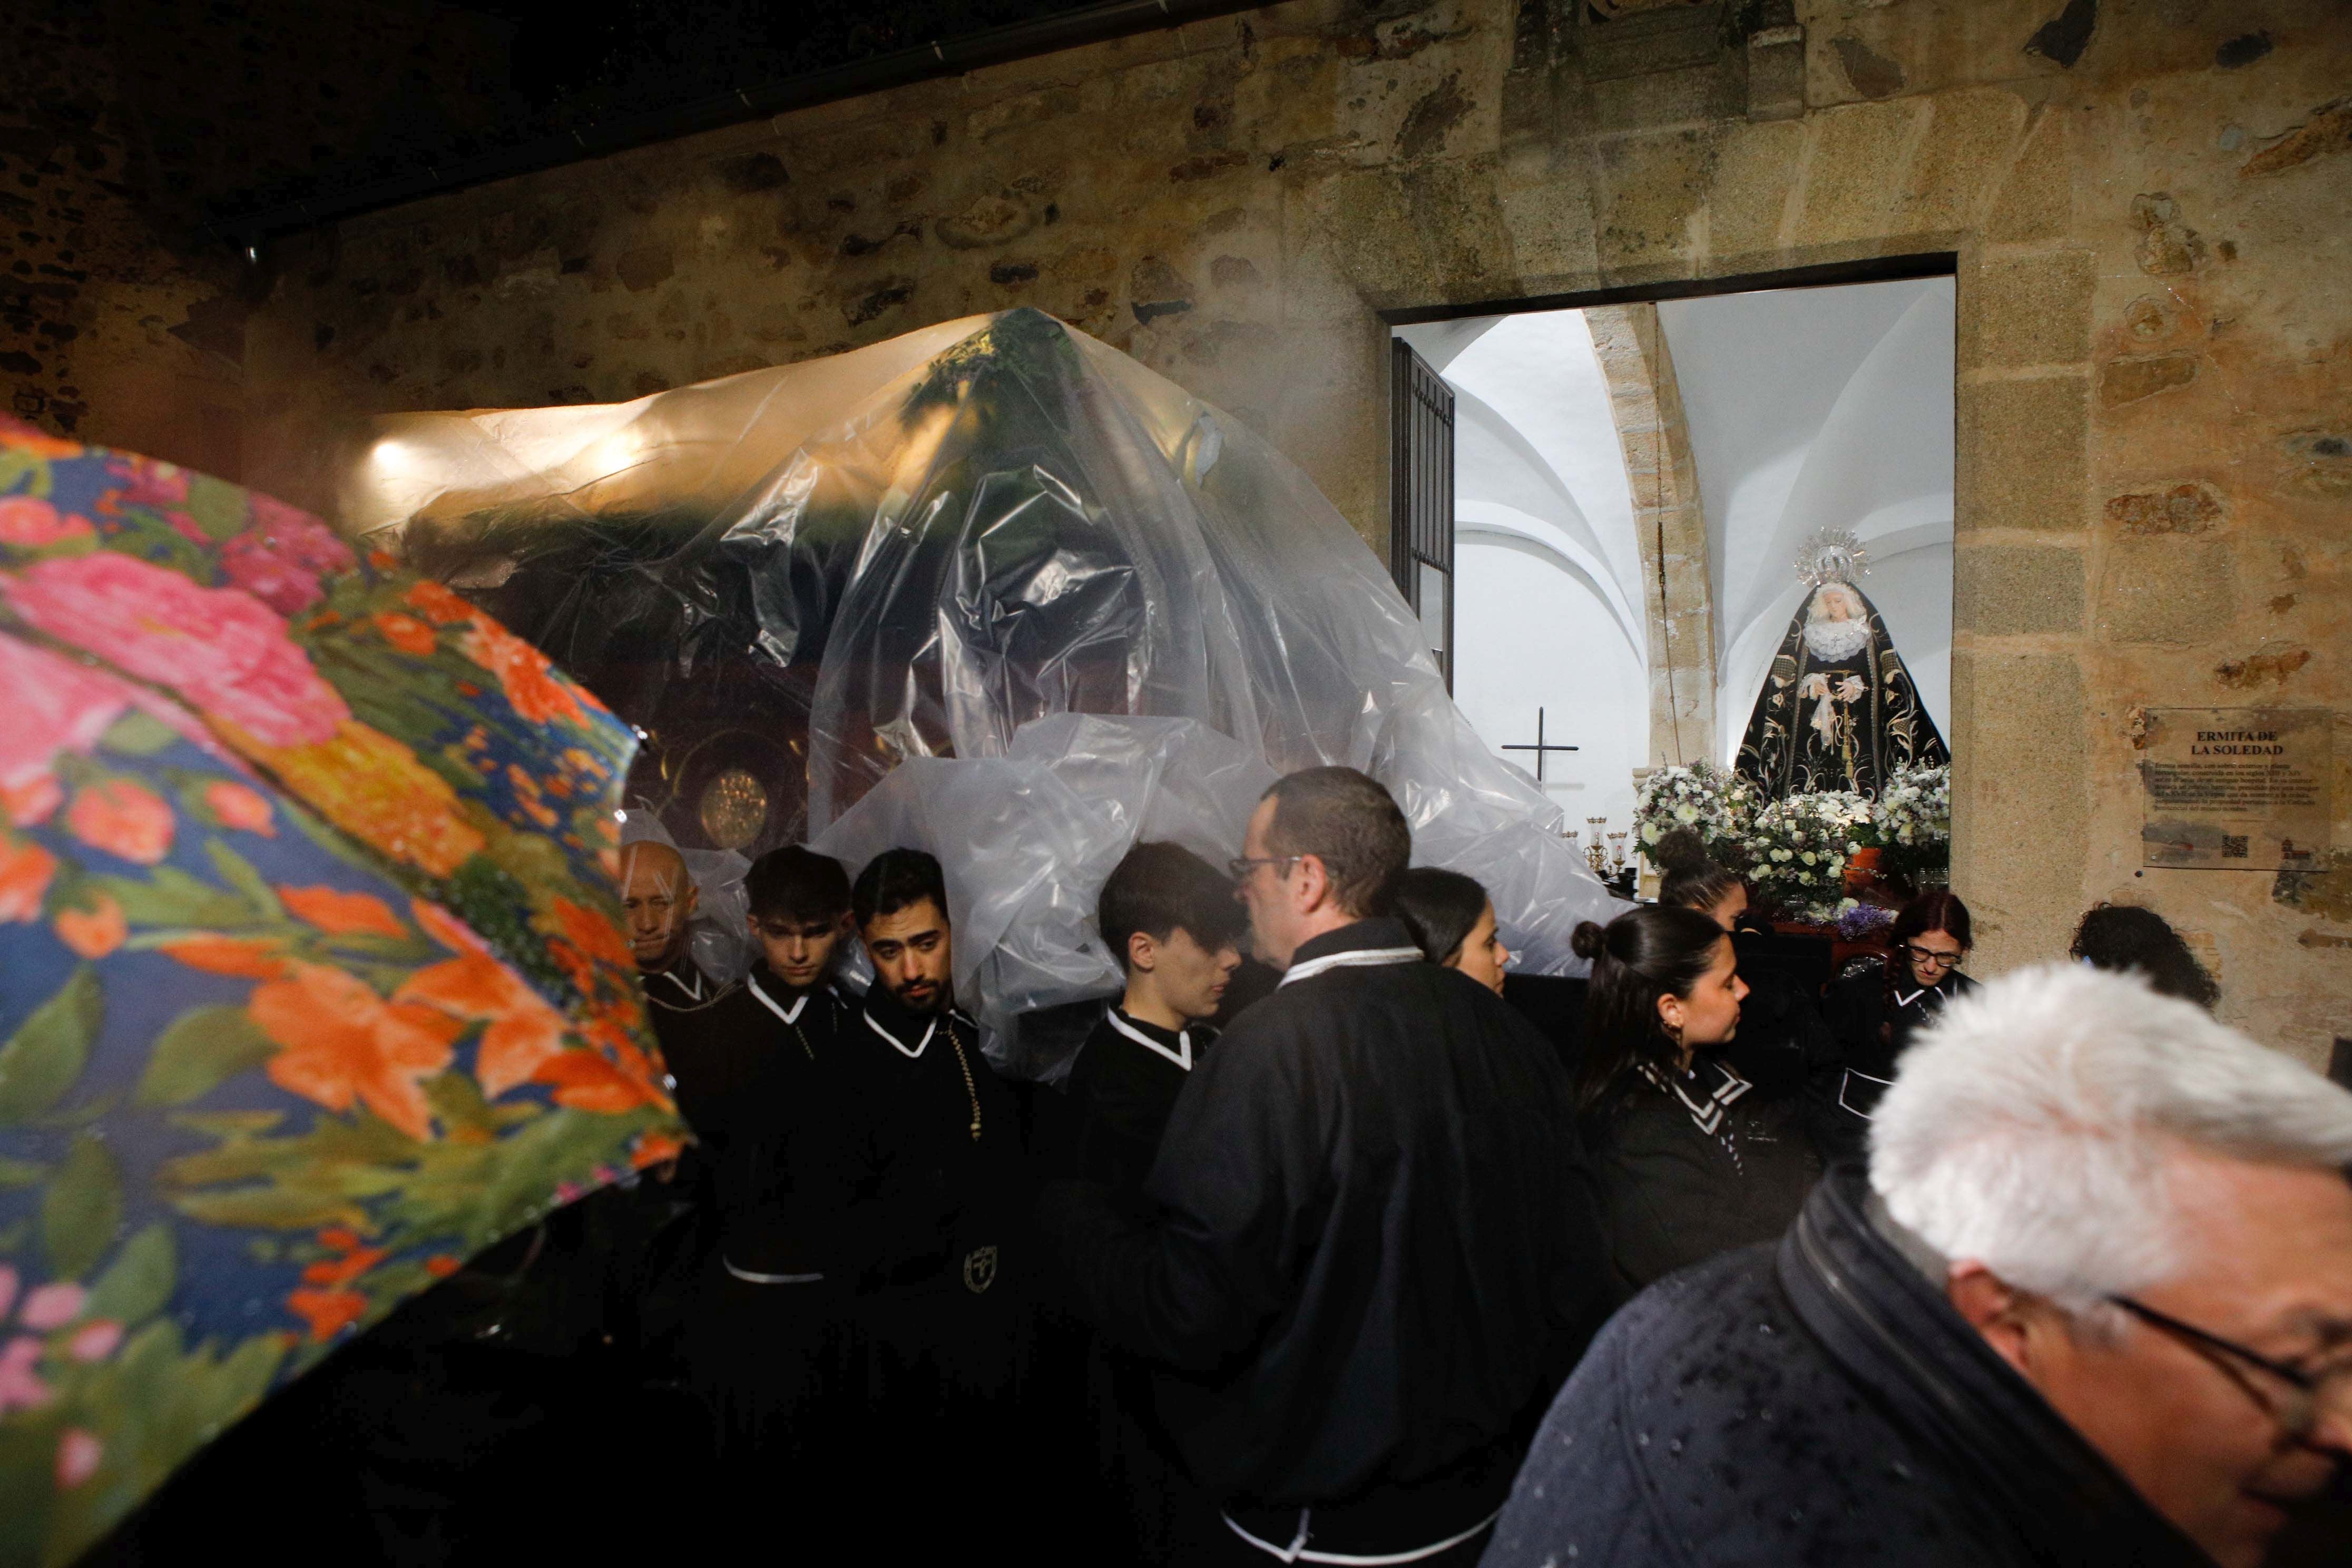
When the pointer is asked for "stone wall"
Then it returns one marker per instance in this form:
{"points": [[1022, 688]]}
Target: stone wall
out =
{"points": [[2148, 204], [123, 321]]}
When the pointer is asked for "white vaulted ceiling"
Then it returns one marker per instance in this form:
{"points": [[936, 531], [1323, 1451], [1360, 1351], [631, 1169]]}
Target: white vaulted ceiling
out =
{"points": [[1812, 408], [1806, 408]]}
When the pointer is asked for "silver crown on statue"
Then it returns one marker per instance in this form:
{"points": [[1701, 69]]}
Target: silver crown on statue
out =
{"points": [[1833, 556]]}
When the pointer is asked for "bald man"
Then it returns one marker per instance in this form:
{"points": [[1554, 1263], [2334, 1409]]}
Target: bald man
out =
{"points": [[657, 897]]}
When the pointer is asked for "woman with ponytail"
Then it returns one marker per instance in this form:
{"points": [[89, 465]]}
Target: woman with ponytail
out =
{"points": [[1689, 1163]]}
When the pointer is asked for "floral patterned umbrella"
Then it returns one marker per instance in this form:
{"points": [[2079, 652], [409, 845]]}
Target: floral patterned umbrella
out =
{"points": [[312, 978]]}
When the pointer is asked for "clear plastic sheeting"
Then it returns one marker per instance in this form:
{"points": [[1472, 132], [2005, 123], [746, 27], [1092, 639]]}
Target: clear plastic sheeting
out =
{"points": [[905, 576], [1029, 838]]}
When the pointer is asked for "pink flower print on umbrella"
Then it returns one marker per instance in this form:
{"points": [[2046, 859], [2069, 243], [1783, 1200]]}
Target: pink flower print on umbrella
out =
{"points": [[20, 1387], [281, 557], [220, 649], [53, 1306], [78, 1453], [94, 1342], [160, 485], [53, 705]]}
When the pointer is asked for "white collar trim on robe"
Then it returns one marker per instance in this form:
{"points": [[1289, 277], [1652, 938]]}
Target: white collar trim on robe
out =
{"points": [[1354, 958], [789, 1014], [693, 992], [1181, 1056], [909, 1052]]}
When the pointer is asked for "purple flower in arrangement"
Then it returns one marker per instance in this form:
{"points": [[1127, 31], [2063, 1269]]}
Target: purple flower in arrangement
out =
{"points": [[1864, 921]]}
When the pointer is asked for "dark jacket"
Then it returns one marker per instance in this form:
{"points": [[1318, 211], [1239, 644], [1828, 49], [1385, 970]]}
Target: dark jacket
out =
{"points": [[1815, 1401], [1376, 1244], [1674, 1191]]}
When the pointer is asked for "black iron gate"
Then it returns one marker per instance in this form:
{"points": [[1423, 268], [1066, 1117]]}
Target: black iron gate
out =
{"points": [[1421, 497]]}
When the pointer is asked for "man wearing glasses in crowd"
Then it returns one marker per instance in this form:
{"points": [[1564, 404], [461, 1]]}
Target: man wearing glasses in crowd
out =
{"points": [[2090, 1303]]}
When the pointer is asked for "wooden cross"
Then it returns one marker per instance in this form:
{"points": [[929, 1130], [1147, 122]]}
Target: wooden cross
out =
{"points": [[1539, 749]]}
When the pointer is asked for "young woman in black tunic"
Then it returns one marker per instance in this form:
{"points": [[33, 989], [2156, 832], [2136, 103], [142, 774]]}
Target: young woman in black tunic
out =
{"points": [[1876, 1006], [1691, 1163]]}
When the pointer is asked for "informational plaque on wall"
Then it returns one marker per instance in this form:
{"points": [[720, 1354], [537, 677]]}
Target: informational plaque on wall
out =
{"points": [[2236, 789]]}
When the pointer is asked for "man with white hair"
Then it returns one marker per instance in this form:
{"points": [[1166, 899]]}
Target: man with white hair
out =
{"points": [[2092, 1303]]}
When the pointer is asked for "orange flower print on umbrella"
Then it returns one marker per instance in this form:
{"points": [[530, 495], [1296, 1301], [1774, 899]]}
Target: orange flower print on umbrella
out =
{"points": [[343, 914], [328, 1312], [524, 674], [406, 633], [237, 956], [25, 871], [340, 1043], [523, 1032], [123, 818], [439, 604], [373, 787], [237, 806], [30, 524], [93, 933]]}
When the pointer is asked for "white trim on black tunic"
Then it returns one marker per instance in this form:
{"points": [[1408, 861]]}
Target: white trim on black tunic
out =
{"points": [[1181, 1056], [789, 1016], [1357, 957], [899, 1045]]}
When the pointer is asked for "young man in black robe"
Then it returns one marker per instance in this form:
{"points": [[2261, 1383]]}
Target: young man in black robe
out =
{"points": [[935, 1198], [1374, 1248], [775, 1118], [1170, 919]]}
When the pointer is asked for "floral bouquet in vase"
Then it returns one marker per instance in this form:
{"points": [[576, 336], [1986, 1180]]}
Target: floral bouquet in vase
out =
{"points": [[1799, 847], [1705, 797]]}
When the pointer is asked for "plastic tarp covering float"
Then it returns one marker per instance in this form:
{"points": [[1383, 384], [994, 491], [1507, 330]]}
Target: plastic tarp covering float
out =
{"points": [[992, 589]]}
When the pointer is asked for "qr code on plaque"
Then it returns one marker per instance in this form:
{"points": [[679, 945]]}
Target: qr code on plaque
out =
{"points": [[2233, 846]]}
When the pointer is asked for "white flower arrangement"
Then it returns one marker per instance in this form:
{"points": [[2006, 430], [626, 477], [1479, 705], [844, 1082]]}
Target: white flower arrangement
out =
{"points": [[1914, 809], [1705, 797], [1798, 848]]}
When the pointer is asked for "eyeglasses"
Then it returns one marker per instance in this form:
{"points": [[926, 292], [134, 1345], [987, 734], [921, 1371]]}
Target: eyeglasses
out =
{"points": [[1928, 956], [2309, 1394], [1239, 866]]}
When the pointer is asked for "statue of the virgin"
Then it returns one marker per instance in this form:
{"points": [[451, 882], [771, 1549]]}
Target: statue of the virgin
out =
{"points": [[1838, 709]]}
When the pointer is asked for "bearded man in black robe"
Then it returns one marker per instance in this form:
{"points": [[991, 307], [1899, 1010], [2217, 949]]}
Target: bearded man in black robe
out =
{"points": [[1373, 1244], [1839, 710]]}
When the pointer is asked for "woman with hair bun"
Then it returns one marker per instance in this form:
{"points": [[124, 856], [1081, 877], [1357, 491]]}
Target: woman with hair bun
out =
{"points": [[1690, 1163], [1688, 879]]}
